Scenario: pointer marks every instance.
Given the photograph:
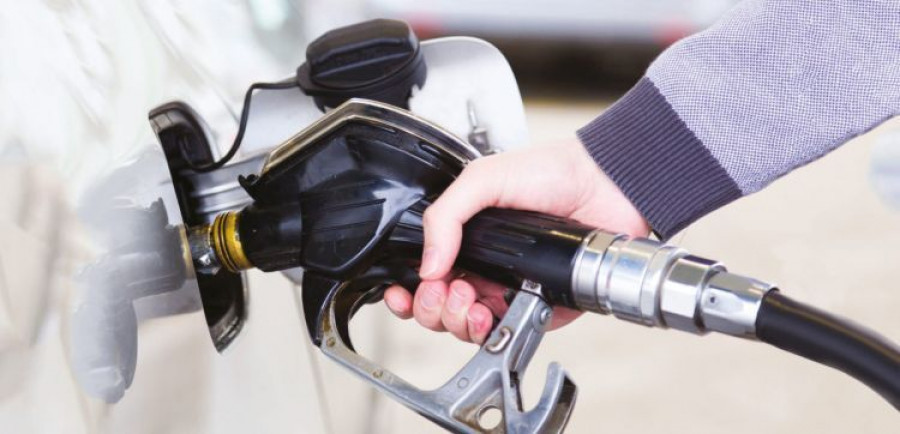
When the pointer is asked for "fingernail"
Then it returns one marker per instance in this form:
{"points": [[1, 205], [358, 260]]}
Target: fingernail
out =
{"points": [[430, 259], [455, 302], [475, 317], [430, 298], [390, 304], [476, 322], [394, 305]]}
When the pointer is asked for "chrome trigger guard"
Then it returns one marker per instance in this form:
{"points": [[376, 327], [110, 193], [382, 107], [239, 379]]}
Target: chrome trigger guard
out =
{"points": [[489, 381]]}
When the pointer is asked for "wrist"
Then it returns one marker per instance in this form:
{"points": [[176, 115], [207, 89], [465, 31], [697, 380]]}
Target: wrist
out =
{"points": [[656, 161], [619, 213]]}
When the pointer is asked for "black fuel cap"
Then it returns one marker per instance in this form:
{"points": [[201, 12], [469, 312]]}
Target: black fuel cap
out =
{"points": [[378, 59]]}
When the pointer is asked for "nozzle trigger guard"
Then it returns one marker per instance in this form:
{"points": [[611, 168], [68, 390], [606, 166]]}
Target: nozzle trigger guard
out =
{"points": [[489, 381]]}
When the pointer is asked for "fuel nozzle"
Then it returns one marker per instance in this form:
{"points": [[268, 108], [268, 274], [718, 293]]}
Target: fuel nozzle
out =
{"points": [[264, 238]]}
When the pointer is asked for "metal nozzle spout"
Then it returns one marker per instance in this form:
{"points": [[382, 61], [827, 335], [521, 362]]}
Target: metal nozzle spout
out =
{"points": [[226, 242], [218, 245]]}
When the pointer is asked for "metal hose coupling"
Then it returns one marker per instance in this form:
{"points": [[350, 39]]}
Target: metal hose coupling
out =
{"points": [[218, 245], [656, 285]]}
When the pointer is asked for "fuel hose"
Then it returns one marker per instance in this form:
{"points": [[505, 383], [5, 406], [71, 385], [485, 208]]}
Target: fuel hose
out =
{"points": [[824, 338]]}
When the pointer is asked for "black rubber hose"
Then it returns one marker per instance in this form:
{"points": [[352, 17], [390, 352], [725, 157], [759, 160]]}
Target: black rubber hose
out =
{"points": [[821, 337]]}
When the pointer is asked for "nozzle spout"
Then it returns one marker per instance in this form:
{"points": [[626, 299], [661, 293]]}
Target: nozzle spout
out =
{"points": [[267, 238], [218, 245]]}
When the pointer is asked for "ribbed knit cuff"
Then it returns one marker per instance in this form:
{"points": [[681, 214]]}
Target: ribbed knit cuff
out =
{"points": [[660, 165]]}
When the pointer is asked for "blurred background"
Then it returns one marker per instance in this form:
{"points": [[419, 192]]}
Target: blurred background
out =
{"points": [[78, 78]]}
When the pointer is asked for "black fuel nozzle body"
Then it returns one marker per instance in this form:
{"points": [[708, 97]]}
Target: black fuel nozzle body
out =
{"points": [[344, 200]]}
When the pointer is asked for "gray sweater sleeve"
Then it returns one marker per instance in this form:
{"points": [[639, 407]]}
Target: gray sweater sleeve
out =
{"points": [[775, 84]]}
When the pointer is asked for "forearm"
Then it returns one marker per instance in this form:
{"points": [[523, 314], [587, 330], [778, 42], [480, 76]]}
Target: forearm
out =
{"points": [[772, 86]]}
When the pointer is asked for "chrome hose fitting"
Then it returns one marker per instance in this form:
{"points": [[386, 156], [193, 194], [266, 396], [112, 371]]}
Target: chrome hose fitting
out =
{"points": [[647, 282]]}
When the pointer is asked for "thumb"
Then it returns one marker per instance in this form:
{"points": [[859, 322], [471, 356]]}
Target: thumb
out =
{"points": [[474, 190]]}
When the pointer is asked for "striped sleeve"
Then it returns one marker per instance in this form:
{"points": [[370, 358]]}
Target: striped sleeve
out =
{"points": [[772, 86]]}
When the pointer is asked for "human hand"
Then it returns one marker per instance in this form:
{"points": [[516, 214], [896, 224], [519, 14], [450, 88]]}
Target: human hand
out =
{"points": [[561, 180]]}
